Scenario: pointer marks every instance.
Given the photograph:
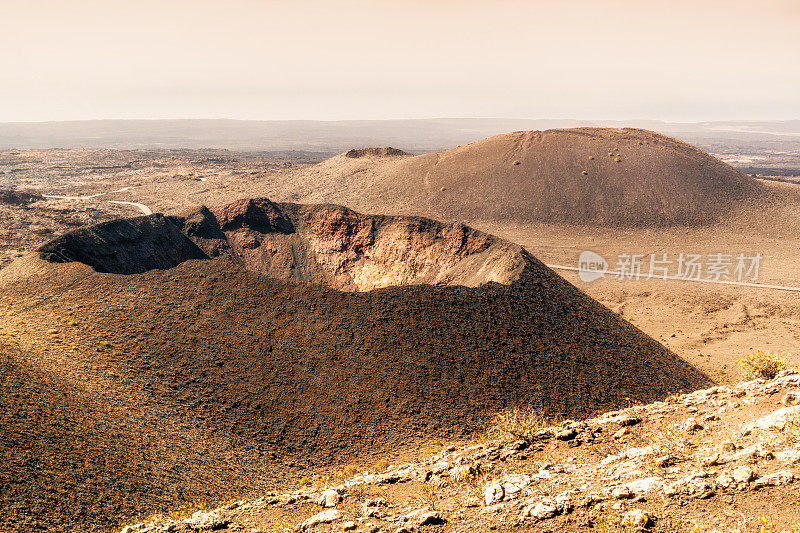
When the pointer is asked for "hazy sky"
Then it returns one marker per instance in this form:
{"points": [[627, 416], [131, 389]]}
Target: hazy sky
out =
{"points": [[249, 59]]}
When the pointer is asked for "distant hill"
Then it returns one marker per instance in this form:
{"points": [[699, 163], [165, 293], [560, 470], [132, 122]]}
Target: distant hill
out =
{"points": [[604, 176]]}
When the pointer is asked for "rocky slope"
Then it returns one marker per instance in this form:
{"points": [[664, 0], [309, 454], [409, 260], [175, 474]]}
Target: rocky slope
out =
{"points": [[718, 459]]}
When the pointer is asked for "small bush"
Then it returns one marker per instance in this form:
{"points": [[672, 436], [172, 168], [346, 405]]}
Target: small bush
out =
{"points": [[304, 481], [670, 441], [791, 428], [519, 424], [618, 523], [761, 364]]}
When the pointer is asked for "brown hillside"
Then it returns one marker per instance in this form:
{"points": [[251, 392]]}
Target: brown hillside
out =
{"points": [[216, 375], [618, 177]]}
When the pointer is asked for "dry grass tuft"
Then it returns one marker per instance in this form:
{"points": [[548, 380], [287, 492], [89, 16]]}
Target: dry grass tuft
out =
{"points": [[519, 424]]}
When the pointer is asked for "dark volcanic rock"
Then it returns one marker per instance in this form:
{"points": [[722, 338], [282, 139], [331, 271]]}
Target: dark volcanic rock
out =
{"points": [[12, 197], [384, 151], [125, 246]]}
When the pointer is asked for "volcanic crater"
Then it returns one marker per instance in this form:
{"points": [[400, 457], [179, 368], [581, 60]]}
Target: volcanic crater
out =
{"points": [[275, 337], [325, 244]]}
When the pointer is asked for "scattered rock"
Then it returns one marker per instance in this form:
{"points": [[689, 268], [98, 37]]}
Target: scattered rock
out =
{"points": [[691, 424], [636, 518], [325, 517], [494, 493], [541, 510], [329, 498], [783, 477]]}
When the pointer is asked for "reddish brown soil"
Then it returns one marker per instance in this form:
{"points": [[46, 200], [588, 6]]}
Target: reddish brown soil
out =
{"points": [[599, 176], [220, 379]]}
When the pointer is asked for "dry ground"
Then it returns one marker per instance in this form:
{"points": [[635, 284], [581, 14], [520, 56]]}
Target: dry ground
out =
{"points": [[711, 326]]}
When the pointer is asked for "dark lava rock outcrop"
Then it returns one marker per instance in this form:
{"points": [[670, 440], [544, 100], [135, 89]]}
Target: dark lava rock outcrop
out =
{"points": [[384, 151], [124, 246], [15, 197]]}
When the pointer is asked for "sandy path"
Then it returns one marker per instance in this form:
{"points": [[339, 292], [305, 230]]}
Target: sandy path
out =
{"points": [[143, 208]]}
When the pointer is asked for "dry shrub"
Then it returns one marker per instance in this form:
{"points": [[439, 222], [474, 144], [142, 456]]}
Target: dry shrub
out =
{"points": [[791, 427], [761, 364], [669, 440], [519, 424]]}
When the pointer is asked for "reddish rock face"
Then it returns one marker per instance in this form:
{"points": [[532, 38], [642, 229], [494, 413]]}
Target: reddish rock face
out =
{"points": [[342, 229], [335, 246]]}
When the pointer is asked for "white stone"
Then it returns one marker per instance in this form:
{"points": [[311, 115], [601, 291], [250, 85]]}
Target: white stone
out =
{"points": [[756, 451], [789, 457], [619, 493], [636, 518], [207, 520], [494, 493], [513, 484], [325, 517], [724, 480], [564, 500], [691, 424], [634, 453], [542, 510], [328, 498], [783, 477], [743, 474], [775, 420], [626, 420], [644, 485]]}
